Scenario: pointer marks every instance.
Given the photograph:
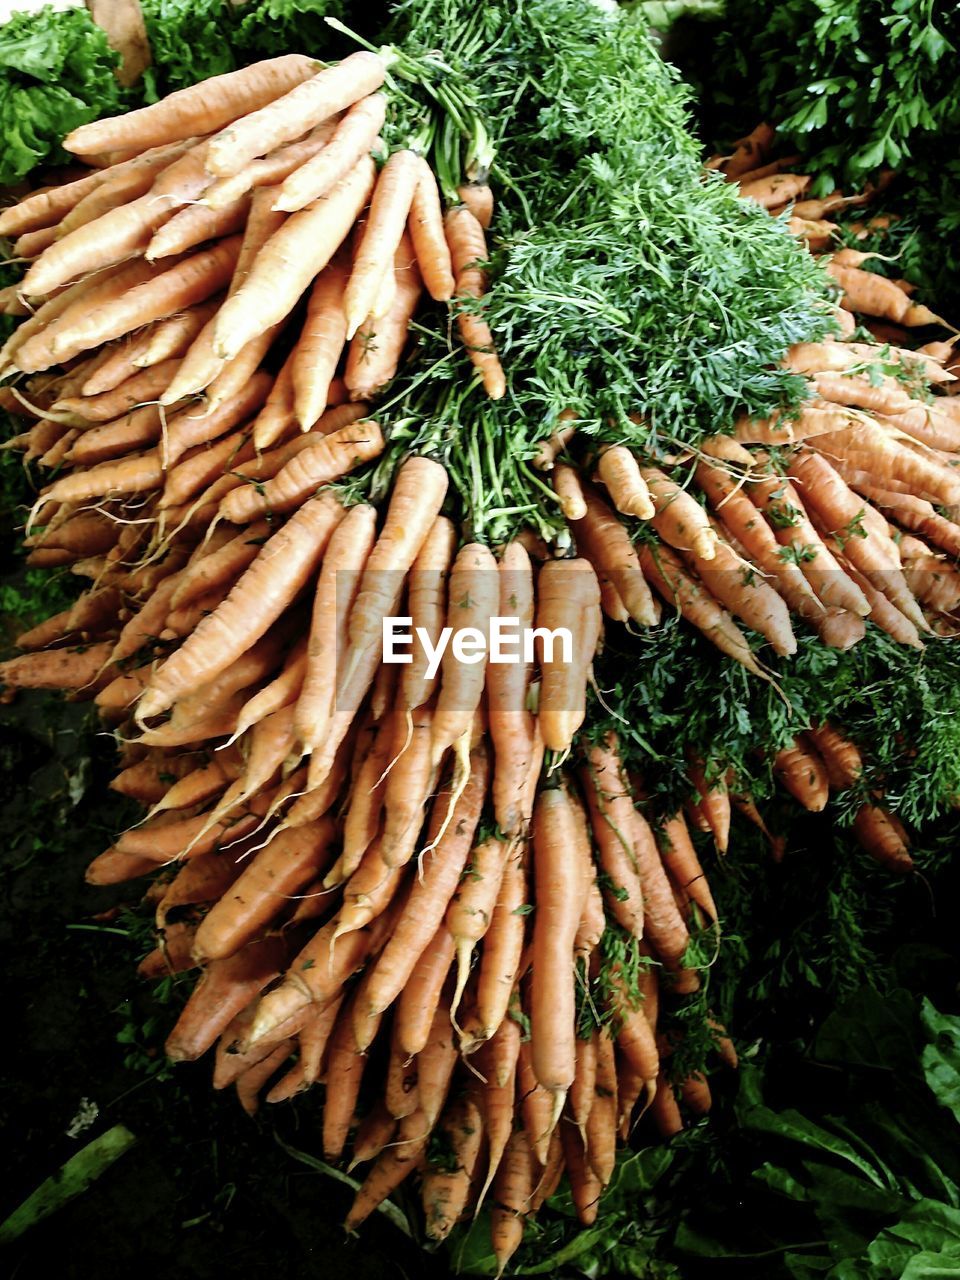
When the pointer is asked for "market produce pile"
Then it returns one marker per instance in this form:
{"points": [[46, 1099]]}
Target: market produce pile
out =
{"points": [[283, 390]]}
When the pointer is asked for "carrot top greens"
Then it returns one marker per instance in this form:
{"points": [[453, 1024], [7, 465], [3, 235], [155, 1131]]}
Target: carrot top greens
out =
{"points": [[625, 284]]}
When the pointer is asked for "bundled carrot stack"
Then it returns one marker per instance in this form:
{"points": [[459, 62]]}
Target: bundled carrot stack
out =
{"points": [[389, 873], [171, 273]]}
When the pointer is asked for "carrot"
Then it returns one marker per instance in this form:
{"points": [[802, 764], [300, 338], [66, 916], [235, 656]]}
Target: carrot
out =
{"points": [[868, 447], [842, 759], [393, 1165], [551, 448], [121, 232], [373, 1134], [389, 207], [120, 185], [471, 909], [618, 470], [136, 390], [36, 331], [345, 1067], [844, 514], [778, 189], [478, 198], [269, 169], [755, 146], [84, 535], [606, 544], [581, 1096], [191, 281], [365, 806], [569, 597], [264, 887], [426, 599], [665, 571], [662, 922], [321, 342], [87, 616], [232, 1061], [289, 261], [172, 955], [682, 864], [585, 1186], [882, 835], [427, 234], [401, 1088], [302, 107], [801, 771], [679, 519], [47, 207], [174, 335], [203, 879], [329, 458], [201, 784], [366, 894], [225, 988], [468, 248], [348, 549], [601, 1135], [732, 506], [222, 564], [870, 294], [779, 501], [559, 894], [194, 225], [115, 867], [284, 565], [314, 1038], [431, 893], [473, 597], [612, 828], [375, 351], [714, 802], [446, 1187], [503, 944], [512, 1188], [74, 668], [421, 993], [732, 581], [435, 1064], [512, 727], [353, 138], [419, 488], [199, 109]]}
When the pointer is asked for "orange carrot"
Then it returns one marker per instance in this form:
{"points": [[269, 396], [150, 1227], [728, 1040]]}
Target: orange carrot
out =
{"points": [[559, 894], [606, 544], [225, 988], [287, 118], [512, 1188], [446, 1187], [263, 889], [320, 344], [431, 893], [468, 248], [375, 351], [473, 598], [800, 769], [427, 234], [569, 600], [284, 565], [421, 993], [289, 261], [354, 137]]}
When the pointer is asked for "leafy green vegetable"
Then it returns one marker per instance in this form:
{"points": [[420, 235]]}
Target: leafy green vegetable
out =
{"points": [[854, 86], [56, 72]]}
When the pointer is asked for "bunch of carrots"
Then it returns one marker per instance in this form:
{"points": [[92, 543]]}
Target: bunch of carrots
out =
{"points": [[436, 892]]}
